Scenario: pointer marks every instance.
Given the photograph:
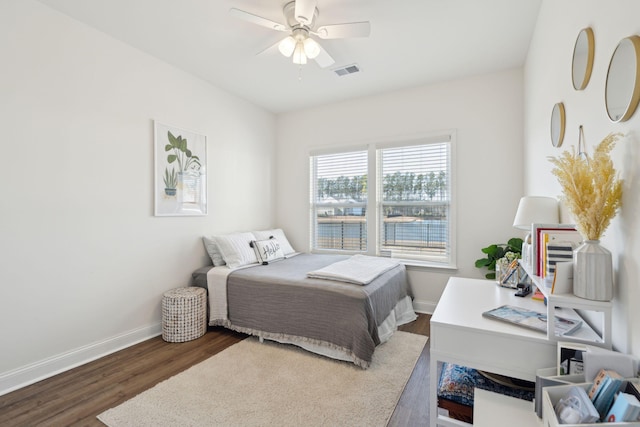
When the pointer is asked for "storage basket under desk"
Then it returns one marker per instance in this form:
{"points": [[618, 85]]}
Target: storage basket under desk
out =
{"points": [[552, 395]]}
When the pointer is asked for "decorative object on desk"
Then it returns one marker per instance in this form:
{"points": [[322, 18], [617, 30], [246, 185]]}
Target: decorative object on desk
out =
{"points": [[534, 209], [507, 270], [532, 319], [593, 193], [496, 251]]}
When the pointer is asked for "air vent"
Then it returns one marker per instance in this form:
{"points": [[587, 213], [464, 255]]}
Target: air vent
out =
{"points": [[349, 69]]}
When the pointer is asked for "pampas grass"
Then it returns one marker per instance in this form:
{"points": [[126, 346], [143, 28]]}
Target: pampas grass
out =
{"points": [[591, 188]]}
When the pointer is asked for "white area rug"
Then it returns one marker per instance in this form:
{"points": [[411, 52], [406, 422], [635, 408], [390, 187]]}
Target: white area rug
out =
{"points": [[270, 384]]}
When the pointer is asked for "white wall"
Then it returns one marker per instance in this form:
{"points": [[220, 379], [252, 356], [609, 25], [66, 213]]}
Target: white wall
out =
{"points": [[548, 81], [83, 261], [486, 112]]}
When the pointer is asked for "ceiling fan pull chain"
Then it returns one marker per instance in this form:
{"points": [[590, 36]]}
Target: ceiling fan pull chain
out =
{"points": [[300, 73]]}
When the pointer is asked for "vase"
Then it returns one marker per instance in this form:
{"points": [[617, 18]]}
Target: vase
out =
{"points": [[592, 272]]}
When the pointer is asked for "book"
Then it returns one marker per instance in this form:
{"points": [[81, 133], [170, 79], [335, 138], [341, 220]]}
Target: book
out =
{"points": [[626, 407], [633, 388], [602, 375], [556, 245], [609, 386], [562, 278], [558, 252], [531, 319]]}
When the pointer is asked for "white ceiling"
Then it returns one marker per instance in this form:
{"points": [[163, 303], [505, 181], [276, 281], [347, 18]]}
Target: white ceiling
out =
{"points": [[412, 42]]}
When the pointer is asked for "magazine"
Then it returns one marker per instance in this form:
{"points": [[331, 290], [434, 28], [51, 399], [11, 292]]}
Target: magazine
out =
{"points": [[532, 319]]}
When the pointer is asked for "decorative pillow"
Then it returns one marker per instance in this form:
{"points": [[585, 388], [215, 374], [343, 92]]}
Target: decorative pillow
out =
{"points": [[267, 250], [278, 234], [235, 249], [213, 251]]}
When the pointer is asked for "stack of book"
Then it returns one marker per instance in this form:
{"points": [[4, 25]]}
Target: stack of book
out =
{"points": [[605, 387]]}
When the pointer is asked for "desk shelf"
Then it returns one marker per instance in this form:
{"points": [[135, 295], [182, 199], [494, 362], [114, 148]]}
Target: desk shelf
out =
{"points": [[565, 305]]}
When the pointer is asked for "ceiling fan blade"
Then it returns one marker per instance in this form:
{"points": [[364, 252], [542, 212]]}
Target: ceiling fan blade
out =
{"points": [[270, 49], [255, 19], [323, 59], [304, 11], [343, 31]]}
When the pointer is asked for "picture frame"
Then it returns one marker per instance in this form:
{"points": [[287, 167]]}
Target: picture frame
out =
{"points": [[180, 179], [570, 358]]}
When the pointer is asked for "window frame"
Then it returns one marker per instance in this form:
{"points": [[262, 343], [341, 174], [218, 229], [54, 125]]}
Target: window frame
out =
{"points": [[374, 199]]}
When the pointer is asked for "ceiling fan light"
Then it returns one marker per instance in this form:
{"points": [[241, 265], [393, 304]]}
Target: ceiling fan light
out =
{"points": [[287, 46], [299, 56], [311, 48]]}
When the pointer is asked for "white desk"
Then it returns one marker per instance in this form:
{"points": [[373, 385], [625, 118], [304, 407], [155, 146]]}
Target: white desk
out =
{"points": [[460, 335]]}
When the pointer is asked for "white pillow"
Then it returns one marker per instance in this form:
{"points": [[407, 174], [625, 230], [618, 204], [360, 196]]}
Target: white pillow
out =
{"points": [[267, 250], [278, 234], [213, 251], [235, 249]]}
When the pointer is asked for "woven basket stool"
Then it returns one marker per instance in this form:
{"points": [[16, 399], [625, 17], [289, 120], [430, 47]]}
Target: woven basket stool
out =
{"points": [[184, 314]]}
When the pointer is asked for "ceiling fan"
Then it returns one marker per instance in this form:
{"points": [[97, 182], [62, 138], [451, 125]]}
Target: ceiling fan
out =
{"points": [[300, 17]]}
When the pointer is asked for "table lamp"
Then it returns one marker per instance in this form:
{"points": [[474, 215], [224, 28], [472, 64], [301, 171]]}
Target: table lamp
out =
{"points": [[538, 210]]}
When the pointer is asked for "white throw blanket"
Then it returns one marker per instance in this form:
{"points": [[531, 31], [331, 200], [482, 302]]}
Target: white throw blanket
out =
{"points": [[217, 284], [359, 269]]}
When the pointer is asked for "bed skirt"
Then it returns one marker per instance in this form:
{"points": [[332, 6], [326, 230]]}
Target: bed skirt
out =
{"points": [[402, 314]]}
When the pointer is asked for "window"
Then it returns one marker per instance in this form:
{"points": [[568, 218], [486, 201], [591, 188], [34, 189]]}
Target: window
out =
{"points": [[340, 202], [392, 200]]}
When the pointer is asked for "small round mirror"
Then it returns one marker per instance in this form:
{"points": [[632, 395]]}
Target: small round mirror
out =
{"points": [[582, 64], [622, 91], [557, 124]]}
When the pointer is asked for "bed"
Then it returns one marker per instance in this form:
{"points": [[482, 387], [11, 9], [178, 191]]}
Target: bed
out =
{"points": [[278, 301]]}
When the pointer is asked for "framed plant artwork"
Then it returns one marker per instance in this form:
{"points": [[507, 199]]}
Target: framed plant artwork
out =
{"points": [[180, 179]]}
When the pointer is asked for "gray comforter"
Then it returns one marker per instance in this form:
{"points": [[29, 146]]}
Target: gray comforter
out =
{"points": [[278, 300]]}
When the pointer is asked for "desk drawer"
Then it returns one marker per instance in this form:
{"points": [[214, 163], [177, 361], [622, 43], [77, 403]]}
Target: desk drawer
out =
{"points": [[498, 353]]}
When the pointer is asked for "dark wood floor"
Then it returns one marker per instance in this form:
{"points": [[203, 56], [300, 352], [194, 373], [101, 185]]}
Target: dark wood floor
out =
{"points": [[76, 397]]}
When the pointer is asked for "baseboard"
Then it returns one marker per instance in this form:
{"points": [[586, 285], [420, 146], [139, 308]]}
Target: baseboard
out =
{"points": [[427, 307], [29, 374]]}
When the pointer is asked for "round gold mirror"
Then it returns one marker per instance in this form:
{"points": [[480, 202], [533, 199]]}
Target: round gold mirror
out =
{"points": [[582, 63], [557, 124], [622, 91]]}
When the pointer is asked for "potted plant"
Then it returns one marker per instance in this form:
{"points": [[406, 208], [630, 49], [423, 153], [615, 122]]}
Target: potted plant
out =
{"points": [[181, 154], [498, 251], [170, 182]]}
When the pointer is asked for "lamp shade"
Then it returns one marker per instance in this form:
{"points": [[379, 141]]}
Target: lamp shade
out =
{"points": [[299, 56], [536, 209], [286, 46], [311, 48]]}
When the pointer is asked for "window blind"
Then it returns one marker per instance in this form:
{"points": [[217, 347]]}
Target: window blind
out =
{"points": [[339, 201], [414, 199]]}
